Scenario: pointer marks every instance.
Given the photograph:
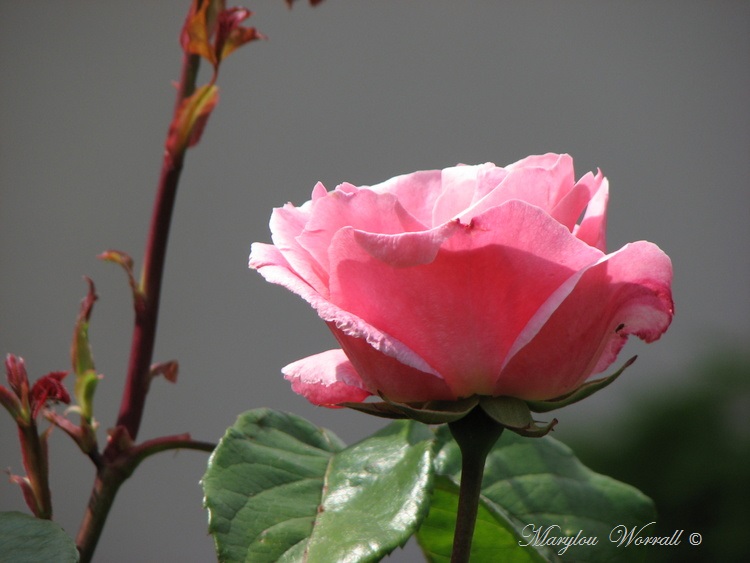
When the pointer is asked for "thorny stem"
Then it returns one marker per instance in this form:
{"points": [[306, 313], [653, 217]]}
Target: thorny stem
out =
{"points": [[144, 331], [118, 463], [111, 475]]}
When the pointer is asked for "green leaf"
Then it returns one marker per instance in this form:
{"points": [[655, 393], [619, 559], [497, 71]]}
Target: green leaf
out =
{"points": [[539, 483], [24, 538], [82, 358], [280, 489], [376, 495], [495, 538]]}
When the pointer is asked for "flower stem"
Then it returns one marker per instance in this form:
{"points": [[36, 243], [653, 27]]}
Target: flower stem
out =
{"points": [[475, 435], [144, 331], [117, 461], [111, 475]]}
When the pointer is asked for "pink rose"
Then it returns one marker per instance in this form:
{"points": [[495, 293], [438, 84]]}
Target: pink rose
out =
{"points": [[472, 280]]}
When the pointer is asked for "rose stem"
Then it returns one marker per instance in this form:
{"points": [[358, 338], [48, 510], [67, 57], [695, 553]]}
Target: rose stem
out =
{"points": [[108, 480], [475, 435], [110, 475], [144, 331]]}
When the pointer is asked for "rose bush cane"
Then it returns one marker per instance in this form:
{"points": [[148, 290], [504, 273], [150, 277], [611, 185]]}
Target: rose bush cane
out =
{"points": [[469, 295], [212, 32]]}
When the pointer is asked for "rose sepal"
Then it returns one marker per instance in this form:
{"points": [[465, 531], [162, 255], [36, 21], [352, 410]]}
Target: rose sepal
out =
{"points": [[585, 390], [429, 412], [515, 415]]}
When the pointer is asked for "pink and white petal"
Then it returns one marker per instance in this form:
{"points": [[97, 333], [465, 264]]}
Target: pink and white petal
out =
{"points": [[547, 160], [462, 311], [347, 188], [593, 227], [383, 373], [560, 169], [263, 255], [535, 185], [318, 191], [326, 379], [271, 265], [627, 292], [462, 187], [569, 208], [361, 209], [287, 223], [416, 192], [406, 249]]}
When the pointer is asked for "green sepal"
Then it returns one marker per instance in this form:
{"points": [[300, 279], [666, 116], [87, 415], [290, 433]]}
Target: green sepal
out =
{"points": [[429, 412], [585, 390], [381, 409], [514, 414]]}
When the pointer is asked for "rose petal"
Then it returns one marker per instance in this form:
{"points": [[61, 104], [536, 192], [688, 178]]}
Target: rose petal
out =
{"points": [[361, 209], [326, 379], [627, 292], [461, 312], [542, 182], [593, 227], [382, 372], [407, 249], [416, 192], [569, 208], [286, 224], [462, 187], [274, 268]]}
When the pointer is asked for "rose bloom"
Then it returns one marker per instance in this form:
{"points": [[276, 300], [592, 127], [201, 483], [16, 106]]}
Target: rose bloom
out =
{"points": [[472, 280]]}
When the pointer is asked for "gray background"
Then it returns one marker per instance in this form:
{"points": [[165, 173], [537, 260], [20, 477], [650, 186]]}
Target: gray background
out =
{"points": [[653, 93]]}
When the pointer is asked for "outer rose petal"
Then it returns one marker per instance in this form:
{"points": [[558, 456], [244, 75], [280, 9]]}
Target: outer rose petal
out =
{"points": [[326, 379], [273, 267], [628, 292], [361, 209], [593, 227], [385, 374], [462, 311], [569, 208], [286, 224]]}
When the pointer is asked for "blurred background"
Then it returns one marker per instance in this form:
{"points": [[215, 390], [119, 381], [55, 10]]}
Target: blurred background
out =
{"points": [[653, 93]]}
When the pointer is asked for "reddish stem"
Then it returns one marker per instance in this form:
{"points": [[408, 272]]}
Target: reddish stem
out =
{"points": [[109, 478], [118, 461], [146, 316]]}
